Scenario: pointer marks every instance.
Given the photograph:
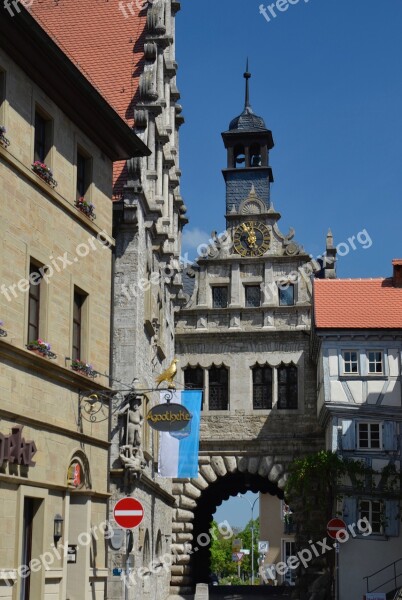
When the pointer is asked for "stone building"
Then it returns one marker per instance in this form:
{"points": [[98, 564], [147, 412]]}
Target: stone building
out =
{"points": [[244, 337], [55, 269], [134, 68], [358, 349]]}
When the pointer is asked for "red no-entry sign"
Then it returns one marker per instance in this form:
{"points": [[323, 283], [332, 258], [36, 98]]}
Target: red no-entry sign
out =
{"points": [[128, 513], [336, 529]]}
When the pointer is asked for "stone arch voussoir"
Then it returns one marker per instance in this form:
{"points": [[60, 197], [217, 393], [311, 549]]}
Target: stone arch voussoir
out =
{"points": [[189, 491]]}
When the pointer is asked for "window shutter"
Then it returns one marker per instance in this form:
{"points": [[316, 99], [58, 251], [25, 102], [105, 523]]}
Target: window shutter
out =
{"points": [[348, 434], [392, 516], [389, 436], [349, 510]]}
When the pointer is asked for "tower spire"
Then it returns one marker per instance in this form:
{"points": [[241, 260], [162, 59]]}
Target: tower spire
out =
{"points": [[247, 76]]}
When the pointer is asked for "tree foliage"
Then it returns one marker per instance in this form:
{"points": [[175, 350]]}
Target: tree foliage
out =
{"points": [[221, 551]]}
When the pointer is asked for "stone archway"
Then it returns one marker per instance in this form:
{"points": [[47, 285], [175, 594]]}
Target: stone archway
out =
{"points": [[195, 504]]}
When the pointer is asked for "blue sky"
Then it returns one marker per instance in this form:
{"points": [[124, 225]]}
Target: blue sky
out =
{"points": [[327, 78], [237, 510]]}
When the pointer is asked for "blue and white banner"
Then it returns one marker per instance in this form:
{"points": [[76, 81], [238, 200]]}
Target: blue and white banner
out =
{"points": [[178, 450]]}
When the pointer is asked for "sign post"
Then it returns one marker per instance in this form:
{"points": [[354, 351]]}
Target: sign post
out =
{"points": [[336, 530], [128, 513]]}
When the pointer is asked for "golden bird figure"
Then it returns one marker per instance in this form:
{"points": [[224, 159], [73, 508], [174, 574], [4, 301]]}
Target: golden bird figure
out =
{"points": [[168, 375]]}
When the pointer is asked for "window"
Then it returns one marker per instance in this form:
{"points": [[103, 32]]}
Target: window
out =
{"points": [[253, 296], [369, 435], [83, 174], [287, 387], [239, 157], [286, 295], [79, 300], [218, 388], [350, 362], [262, 387], [194, 379], [375, 362], [43, 133], [35, 280], [255, 156], [289, 551], [220, 296], [373, 511]]}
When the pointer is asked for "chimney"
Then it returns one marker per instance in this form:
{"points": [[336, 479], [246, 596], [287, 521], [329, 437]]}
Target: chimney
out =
{"points": [[397, 277]]}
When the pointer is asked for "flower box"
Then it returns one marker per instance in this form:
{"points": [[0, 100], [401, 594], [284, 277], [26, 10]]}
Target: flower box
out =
{"points": [[3, 140], [42, 348], [44, 172], [86, 207], [3, 332], [84, 368]]}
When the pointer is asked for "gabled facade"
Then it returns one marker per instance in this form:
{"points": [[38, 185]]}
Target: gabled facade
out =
{"points": [[358, 348]]}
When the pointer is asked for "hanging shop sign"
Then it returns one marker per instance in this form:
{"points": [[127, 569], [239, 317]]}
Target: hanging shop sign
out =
{"points": [[14, 449], [169, 417]]}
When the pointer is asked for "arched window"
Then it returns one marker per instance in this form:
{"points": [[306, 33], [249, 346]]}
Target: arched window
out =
{"points": [[262, 387], [255, 156], [218, 388], [146, 555], [287, 387], [194, 379], [159, 548], [239, 157]]}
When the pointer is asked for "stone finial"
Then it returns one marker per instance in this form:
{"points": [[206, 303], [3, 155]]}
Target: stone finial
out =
{"points": [[330, 240]]}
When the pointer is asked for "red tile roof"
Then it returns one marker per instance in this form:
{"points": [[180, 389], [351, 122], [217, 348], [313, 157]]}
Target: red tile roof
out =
{"points": [[357, 304], [105, 45]]}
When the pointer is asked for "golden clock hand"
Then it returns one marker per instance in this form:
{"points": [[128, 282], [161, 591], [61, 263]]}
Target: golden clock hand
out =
{"points": [[252, 238]]}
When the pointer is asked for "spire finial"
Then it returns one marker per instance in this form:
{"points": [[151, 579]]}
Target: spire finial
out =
{"points": [[247, 76]]}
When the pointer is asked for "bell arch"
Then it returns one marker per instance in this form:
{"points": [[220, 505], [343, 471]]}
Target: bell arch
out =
{"points": [[220, 476]]}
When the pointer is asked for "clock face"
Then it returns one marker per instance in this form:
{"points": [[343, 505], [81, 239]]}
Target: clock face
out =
{"points": [[251, 238]]}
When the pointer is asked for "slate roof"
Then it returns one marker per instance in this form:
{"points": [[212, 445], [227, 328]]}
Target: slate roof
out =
{"points": [[247, 121], [357, 304]]}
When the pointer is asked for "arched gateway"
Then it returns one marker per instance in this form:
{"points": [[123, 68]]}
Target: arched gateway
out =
{"points": [[219, 478], [244, 337]]}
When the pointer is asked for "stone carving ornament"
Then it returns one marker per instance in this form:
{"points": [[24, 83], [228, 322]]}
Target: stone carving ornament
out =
{"points": [[131, 454]]}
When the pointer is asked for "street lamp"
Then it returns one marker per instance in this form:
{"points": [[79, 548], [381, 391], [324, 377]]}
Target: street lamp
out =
{"points": [[252, 504]]}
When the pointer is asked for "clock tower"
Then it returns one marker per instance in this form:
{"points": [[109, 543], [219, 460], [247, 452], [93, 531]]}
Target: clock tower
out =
{"points": [[243, 336], [248, 143]]}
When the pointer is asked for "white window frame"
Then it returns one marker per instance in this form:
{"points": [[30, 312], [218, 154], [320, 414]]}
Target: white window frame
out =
{"points": [[369, 425], [374, 373], [370, 513], [350, 373], [290, 575]]}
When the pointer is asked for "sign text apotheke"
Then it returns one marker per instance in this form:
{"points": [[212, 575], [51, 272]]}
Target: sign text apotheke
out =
{"points": [[14, 449], [168, 417]]}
